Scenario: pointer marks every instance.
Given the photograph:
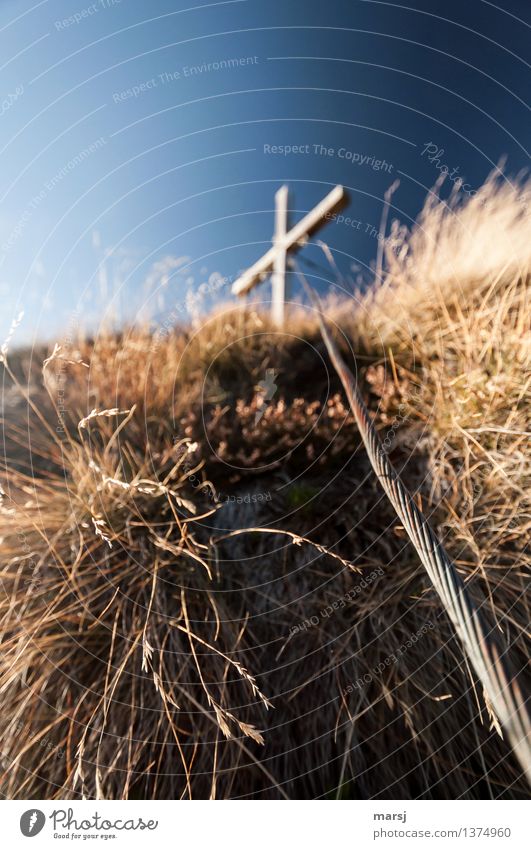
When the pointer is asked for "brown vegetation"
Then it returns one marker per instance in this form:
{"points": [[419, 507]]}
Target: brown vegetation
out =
{"points": [[167, 633]]}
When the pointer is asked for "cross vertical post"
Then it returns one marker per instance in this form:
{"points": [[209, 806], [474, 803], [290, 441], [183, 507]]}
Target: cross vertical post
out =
{"points": [[279, 290]]}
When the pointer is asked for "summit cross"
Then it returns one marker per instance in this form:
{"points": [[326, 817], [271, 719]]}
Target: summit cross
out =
{"points": [[287, 241]]}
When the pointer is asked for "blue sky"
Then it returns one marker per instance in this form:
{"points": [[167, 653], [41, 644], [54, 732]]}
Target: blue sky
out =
{"points": [[142, 143]]}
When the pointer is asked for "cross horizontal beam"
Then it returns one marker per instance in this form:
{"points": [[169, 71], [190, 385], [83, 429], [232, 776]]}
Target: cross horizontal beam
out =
{"points": [[293, 240]]}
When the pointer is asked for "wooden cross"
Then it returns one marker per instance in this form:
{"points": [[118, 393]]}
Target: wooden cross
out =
{"points": [[286, 241]]}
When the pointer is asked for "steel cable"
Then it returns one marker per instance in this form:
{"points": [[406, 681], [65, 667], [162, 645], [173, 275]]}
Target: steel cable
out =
{"points": [[489, 661]]}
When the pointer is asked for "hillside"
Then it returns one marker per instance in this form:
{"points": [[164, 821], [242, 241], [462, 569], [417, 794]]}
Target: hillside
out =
{"points": [[206, 592]]}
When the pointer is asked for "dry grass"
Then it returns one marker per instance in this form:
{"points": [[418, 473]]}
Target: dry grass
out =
{"points": [[155, 644]]}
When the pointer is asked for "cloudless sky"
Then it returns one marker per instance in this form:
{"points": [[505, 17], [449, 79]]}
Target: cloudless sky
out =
{"points": [[137, 138]]}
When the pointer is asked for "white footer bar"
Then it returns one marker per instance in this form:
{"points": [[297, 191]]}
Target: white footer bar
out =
{"points": [[266, 824]]}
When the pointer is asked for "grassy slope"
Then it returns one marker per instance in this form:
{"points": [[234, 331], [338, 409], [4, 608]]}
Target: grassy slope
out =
{"points": [[122, 601]]}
